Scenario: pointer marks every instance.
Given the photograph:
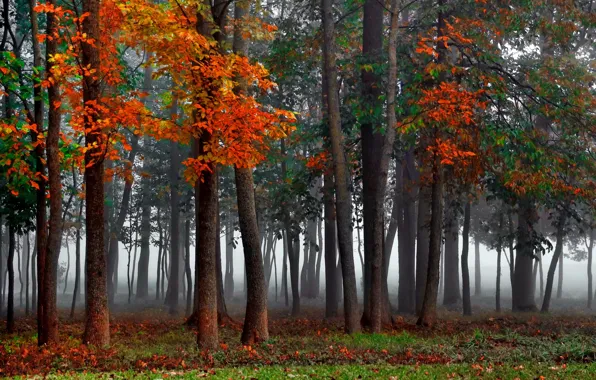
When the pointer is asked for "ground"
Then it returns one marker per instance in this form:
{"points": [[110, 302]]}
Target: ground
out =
{"points": [[152, 344]]}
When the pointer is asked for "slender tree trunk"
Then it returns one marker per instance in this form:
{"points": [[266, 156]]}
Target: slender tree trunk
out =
{"points": [[428, 313], [189, 285], [20, 271], [590, 286], [229, 277], [423, 243], [498, 286], [67, 268], [343, 199], [34, 306], [10, 266], [317, 286], [222, 310], [467, 303], [452, 295], [174, 280], [477, 275], [294, 259], [541, 270], [553, 264], [50, 320], [560, 282], [76, 291], [27, 251], [284, 275], [331, 302]]}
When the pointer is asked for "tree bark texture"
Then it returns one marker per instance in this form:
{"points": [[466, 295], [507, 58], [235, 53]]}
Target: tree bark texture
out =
{"points": [[465, 271]]}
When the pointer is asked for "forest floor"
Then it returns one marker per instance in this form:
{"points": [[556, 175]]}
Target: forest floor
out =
{"points": [[152, 344]]}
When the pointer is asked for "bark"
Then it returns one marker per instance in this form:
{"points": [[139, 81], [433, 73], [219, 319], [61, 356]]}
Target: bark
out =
{"points": [[189, 285], [284, 275], [343, 201], [294, 261], [317, 285], [28, 253], [428, 312], [477, 274], [229, 277], [19, 266], [422, 246], [499, 270], [590, 249], [97, 320], [159, 256], [222, 310], [331, 301], [553, 264], [511, 254], [10, 267], [452, 295], [255, 322], [205, 267], [467, 303], [523, 290], [76, 291], [560, 282], [374, 178], [34, 307], [407, 237], [49, 296], [541, 273]]}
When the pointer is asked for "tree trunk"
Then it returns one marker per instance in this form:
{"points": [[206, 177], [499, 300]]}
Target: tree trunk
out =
{"points": [[465, 271], [340, 168], [294, 259], [222, 310], [33, 277], [76, 291], [206, 266], [67, 267], [590, 248], [499, 270], [28, 253], [10, 267], [428, 313], [452, 295], [284, 274], [423, 243], [189, 285], [523, 290], [50, 320], [553, 264], [317, 285], [331, 302], [97, 321], [255, 322], [174, 280], [229, 278], [477, 275], [560, 282]]}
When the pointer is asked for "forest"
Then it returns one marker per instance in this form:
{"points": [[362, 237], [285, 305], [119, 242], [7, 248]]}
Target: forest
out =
{"points": [[297, 188]]}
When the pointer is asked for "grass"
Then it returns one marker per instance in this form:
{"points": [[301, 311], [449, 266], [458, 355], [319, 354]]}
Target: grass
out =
{"points": [[158, 347]]}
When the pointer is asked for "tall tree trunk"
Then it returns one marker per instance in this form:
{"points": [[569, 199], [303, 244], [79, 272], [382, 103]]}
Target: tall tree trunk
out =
{"points": [[560, 282], [343, 201], [206, 266], [590, 249], [27, 251], [174, 280], [465, 271], [331, 301], [67, 268], [372, 160], [407, 237], [222, 310], [553, 264], [284, 275], [189, 285], [255, 322], [229, 277], [477, 275], [19, 267], [34, 306], [511, 251], [40, 216], [499, 270], [317, 285], [76, 291], [541, 273], [50, 320], [423, 243], [452, 295], [428, 313], [10, 267], [294, 261], [523, 290], [97, 320]]}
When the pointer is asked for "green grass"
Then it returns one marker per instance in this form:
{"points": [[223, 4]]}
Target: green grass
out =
{"points": [[533, 371]]}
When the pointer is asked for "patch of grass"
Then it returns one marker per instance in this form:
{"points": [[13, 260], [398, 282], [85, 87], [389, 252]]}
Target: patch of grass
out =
{"points": [[390, 342], [577, 371]]}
